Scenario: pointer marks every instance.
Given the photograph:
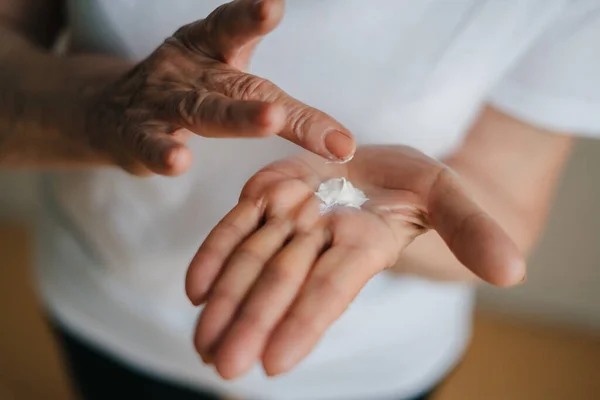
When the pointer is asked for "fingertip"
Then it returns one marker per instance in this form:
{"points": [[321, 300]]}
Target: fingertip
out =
{"points": [[206, 358], [201, 275], [194, 289], [177, 160], [231, 361], [225, 370], [199, 346], [269, 13], [341, 145], [271, 118], [276, 363], [489, 252], [472, 235], [203, 337], [173, 158], [514, 273], [286, 348]]}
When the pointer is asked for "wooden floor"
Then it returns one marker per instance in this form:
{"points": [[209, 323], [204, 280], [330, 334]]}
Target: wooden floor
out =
{"points": [[507, 360]]}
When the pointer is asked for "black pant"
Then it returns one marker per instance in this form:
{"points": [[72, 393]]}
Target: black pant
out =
{"points": [[96, 376]]}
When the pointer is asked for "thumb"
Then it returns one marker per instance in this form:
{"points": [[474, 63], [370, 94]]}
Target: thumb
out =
{"points": [[476, 240], [231, 32]]}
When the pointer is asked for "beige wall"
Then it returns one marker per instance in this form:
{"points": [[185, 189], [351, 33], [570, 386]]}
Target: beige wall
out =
{"points": [[564, 274]]}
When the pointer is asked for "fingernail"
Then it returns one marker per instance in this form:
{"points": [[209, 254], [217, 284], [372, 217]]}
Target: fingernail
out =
{"points": [[344, 161], [340, 145]]}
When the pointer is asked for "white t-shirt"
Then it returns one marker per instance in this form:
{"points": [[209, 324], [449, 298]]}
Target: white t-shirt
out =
{"points": [[113, 249]]}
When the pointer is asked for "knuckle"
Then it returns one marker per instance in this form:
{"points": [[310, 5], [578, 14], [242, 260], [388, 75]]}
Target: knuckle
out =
{"points": [[223, 298], [230, 229], [189, 105], [254, 317], [247, 255], [252, 193], [279, 273], [278, 194], [248, 87], [140, 141], [281, 226], [288, 192], [284, 197], [215, 77], [298, 117], [207, 256]]}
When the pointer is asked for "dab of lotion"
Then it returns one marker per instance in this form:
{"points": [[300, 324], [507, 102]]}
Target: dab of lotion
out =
{"points": [[339, 192]]}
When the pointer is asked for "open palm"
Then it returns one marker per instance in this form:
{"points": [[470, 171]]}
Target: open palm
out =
{"points": [[275, 273]]}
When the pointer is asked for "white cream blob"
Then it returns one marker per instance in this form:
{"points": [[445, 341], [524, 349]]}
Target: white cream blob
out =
{"points": [[339, 192]]}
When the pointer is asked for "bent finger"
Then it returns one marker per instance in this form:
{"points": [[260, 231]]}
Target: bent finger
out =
{"points": [[159, 151], [215, 115]]}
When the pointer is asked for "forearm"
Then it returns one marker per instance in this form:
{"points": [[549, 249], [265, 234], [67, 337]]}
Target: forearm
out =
{"points": [[43, 103]]}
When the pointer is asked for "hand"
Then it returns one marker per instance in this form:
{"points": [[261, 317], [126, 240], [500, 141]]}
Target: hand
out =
{"points": [[194, 83], [275, 274]]}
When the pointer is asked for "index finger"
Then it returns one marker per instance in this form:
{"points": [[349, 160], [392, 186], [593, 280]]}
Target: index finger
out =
{"points": [[306, 126], [476, 240]]}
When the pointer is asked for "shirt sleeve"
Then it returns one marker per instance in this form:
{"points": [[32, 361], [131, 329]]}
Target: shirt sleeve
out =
{"points": [[556, 84]]}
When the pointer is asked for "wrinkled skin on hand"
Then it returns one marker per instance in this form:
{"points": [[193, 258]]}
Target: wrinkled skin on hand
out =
{"points": [[274, 274], [195, 83]]}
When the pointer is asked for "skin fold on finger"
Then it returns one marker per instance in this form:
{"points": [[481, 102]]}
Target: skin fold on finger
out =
{"points": [[476, 240], [211, 114], [210, 258], [316, 131], [334, 282], [238, 276], [269, 299]]}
